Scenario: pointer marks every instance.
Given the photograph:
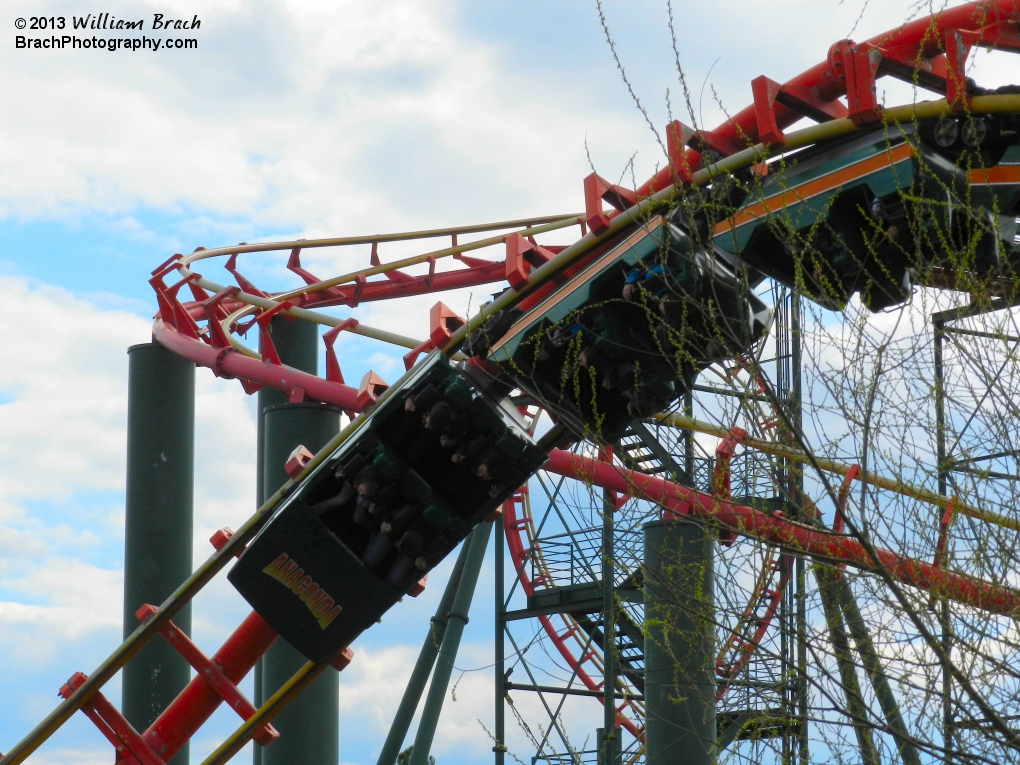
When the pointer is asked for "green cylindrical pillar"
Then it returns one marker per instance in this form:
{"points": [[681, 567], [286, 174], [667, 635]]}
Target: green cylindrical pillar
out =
{"points": [[158, 525], [679, 644], [309, 727], [297, 344]]}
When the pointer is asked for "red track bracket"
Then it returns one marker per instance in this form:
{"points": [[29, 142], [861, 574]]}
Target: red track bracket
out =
{"points": [[958, 46], [721, 474], [523, 255], [839, 522], [858, 67], [371, 387], [764, 92], [266, 346], [677, 137], [296, 462], [360, 280], [215, 314], [412, 355], [333, 373], [597, 189], [841, 499], [294, 265], [443, 322], [221, 537], [170, 306], [243, 283], [723, 455]]}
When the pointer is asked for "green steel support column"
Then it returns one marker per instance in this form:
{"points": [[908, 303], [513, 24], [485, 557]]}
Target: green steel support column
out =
{"points": [[297, 344], [800, 574], [611, 744], [458, 618], [158, 521], [309, 727], [499, 746], [679, 586], [945, 616], [423, 667], [876, 673], [608, 736], [856, 709]]}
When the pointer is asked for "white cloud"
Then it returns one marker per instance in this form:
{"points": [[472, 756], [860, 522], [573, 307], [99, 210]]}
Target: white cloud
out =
{"points": [[351, 112], [67, 374], [68, 600], [337, 116]]}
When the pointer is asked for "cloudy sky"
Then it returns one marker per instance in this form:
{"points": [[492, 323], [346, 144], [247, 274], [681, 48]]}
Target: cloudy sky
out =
{"points": [[293, 118]]}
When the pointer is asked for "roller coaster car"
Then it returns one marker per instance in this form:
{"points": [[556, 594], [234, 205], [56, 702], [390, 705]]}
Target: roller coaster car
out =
{"points": [[417, 474], [626, 334], [878, 211]]}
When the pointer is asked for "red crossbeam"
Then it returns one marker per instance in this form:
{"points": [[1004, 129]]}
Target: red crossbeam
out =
{"points": [[199, 699], [212, 674]]}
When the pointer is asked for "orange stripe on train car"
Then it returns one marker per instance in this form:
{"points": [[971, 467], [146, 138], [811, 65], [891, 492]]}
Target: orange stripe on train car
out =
{"points": [[994, 175], [816, 186]]}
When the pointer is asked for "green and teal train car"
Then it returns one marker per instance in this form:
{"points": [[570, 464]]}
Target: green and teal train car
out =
{"points": [[876, 213], [626, 333]]}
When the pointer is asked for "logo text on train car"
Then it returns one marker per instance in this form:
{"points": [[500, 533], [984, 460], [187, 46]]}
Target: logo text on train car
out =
{"points": [[286, 570]]}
